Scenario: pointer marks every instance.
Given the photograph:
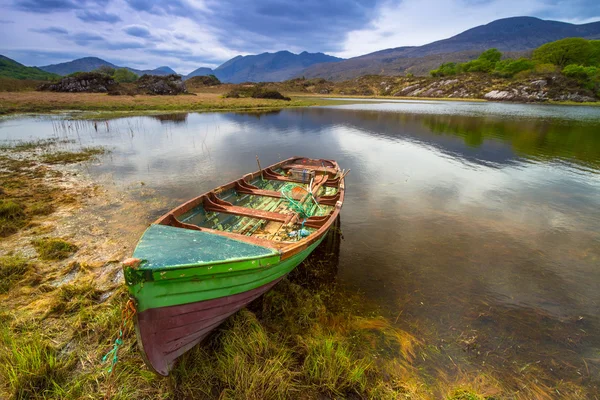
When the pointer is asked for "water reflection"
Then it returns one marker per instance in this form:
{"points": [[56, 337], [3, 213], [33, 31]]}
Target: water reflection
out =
{"points": [[481, 230]]}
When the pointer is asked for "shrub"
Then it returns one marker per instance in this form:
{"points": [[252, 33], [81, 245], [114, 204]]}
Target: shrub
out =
{"points": [[123, 75], [204, 80], [446, 69], [255, 92], [545, 68], [580, 72], [566, 51], [509, 68]]}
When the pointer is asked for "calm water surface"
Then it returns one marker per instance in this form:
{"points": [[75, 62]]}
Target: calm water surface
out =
{"points": [[475, 226]]}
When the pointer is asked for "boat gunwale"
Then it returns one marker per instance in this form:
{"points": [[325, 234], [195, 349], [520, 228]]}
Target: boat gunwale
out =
{"points": [[286, 249]]}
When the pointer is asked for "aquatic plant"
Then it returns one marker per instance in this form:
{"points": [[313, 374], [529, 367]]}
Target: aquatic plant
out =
{"points": [[53, 248]]}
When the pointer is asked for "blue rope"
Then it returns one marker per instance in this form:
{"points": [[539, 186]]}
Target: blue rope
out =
{"points": [[114, 351]]}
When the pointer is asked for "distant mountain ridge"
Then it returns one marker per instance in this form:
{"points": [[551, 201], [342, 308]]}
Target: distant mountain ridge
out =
{"points": [[88, 64], [9, 68], [265, 67], [517, 34]]}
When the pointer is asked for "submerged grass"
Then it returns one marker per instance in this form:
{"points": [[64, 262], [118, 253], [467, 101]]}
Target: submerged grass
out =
{"points": [[54, 248], [71, 157]]}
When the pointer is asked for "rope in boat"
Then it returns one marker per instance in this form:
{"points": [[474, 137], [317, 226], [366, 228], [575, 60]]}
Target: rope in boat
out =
{"points": [[302, 210]]}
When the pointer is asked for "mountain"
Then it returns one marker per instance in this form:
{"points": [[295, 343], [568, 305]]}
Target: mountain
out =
{"points": [[87, 64], [11, 69], [200, 72], [269, 67], [517, 34]]}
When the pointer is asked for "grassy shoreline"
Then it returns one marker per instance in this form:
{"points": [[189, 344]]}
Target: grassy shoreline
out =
{"points": [[12, 103]]}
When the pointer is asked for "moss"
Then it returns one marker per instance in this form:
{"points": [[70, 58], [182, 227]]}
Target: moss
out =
{"points": [[65, 157], [12, 269], [54, 249]]}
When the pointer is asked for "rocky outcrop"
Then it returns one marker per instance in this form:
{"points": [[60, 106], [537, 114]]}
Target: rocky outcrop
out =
{"points": [[471, 86], [85, 82], [161, 85]]}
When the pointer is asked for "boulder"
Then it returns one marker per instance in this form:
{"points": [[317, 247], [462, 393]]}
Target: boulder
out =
{"points": [[83, 82], [161, 85]]}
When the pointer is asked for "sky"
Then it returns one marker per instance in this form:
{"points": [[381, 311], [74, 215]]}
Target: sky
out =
{"points": [[187, 34]]}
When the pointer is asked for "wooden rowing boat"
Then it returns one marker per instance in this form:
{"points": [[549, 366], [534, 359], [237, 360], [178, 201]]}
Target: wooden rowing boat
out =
{"points": [[204, 260]]}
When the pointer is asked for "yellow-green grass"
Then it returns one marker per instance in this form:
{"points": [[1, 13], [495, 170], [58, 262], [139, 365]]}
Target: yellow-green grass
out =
{"points": [[53, 248], [48, 102], [12, 269], [71, 157]]}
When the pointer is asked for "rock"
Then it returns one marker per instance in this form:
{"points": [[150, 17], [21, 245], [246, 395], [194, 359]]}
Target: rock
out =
{"points": [[406, 90], [499, 95], [324, 91], [449, 82], [576, 97], [541, 83], [161, 85], [84, 82]]}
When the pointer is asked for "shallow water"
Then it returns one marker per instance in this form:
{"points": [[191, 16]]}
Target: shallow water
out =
{"points": [[476, 226]]}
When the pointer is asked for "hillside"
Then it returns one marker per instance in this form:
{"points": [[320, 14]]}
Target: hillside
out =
{"points": [[11, 69], [517, 35], [88, 64], [202, 71], [269, 67]]}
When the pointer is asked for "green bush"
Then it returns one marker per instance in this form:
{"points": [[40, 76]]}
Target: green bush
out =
{"points": [[123, 75], [446, 69], [509, 68], [566, 51]]}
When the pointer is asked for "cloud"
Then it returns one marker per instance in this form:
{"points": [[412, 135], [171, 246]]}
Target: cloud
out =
{"points": [[97, 16], [137, 31], [313, 25], [160, 7], [188, 34], [51, 6], [124, 45], [52, 30], [85, 38]]}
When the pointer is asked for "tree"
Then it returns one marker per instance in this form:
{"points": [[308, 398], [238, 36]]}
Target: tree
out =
{"points": [[446, 69], [106, 69], [491, 55], [125, 75], [509, 68], [564, 52]]}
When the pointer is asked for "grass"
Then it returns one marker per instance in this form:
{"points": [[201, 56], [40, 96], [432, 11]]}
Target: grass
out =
{"points": [[12, 217], [12, 270], [52, 249], [68, 157], [45, 102], [32, 145], [31, 367]]}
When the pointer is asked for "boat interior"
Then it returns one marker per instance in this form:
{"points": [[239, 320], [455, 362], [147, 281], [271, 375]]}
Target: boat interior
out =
{"points": [[283, 203]]}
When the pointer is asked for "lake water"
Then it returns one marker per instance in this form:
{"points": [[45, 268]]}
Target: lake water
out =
{"points": [[475, 226]]}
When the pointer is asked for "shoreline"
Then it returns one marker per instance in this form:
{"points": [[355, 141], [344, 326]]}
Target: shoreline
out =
{"points": [[105, 106]]}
